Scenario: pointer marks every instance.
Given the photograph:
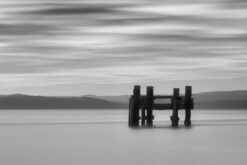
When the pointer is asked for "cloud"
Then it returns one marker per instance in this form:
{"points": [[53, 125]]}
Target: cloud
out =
{"points": [[72, 10], [43, 43], [25, 29]]}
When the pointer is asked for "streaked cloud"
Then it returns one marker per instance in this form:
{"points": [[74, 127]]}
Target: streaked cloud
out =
{"points": [[44, 43]]}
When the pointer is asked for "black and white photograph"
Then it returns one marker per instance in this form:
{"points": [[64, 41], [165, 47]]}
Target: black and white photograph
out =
{"points": [[123, 82]]}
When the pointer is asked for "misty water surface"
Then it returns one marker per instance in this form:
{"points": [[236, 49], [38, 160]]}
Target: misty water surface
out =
{"points": [[60, 137]]}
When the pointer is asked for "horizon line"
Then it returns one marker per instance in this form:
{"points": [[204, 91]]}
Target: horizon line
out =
{"points": [[85, 95]]}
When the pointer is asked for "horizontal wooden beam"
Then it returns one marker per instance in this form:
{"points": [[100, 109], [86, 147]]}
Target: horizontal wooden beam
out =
{"points": [[162, 97], [162, 106]]}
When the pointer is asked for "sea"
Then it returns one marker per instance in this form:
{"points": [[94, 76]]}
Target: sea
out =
{"points": [[102, 137]]}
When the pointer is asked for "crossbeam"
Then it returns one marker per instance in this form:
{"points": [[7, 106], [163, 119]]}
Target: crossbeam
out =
{"points": [[162, 106], [162, 97]]}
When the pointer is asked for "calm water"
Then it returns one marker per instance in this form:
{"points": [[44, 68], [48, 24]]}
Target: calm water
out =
{"points": [[60, 137]]}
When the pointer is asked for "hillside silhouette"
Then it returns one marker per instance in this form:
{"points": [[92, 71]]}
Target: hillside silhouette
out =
{"points": [[205, 100], [18, 101]]}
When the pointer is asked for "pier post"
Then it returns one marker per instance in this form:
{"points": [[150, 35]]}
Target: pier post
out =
{"points": [[150, 94], [175, 107], [143, 118], [188, 105], [134, 106]]}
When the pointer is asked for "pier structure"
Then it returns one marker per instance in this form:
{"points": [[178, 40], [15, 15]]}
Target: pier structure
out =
{"points": [[146, 104]]}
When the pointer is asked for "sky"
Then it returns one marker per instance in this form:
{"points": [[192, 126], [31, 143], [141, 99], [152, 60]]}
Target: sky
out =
{"points": [[104, 47]]}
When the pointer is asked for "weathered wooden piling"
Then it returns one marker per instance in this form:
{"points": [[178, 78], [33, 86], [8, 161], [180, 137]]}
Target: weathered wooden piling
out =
{"points": [[143, 118], [134, 105], [175, 107], [150, 94], [188, 105]]}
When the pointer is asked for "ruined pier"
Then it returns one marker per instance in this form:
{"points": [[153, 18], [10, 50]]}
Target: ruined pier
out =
{"points": [[146, 104]]}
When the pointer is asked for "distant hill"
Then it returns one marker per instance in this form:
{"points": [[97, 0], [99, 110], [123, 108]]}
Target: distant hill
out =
{"points": [[205, 100], [120, 99], [221, 100], [18, 101]]}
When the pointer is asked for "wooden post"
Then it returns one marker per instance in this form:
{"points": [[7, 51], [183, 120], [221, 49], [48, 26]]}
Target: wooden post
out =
{"points": [[134, 106], [137, 94], [188, 105], [143, 118], [175, 107], [150, 105]]}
